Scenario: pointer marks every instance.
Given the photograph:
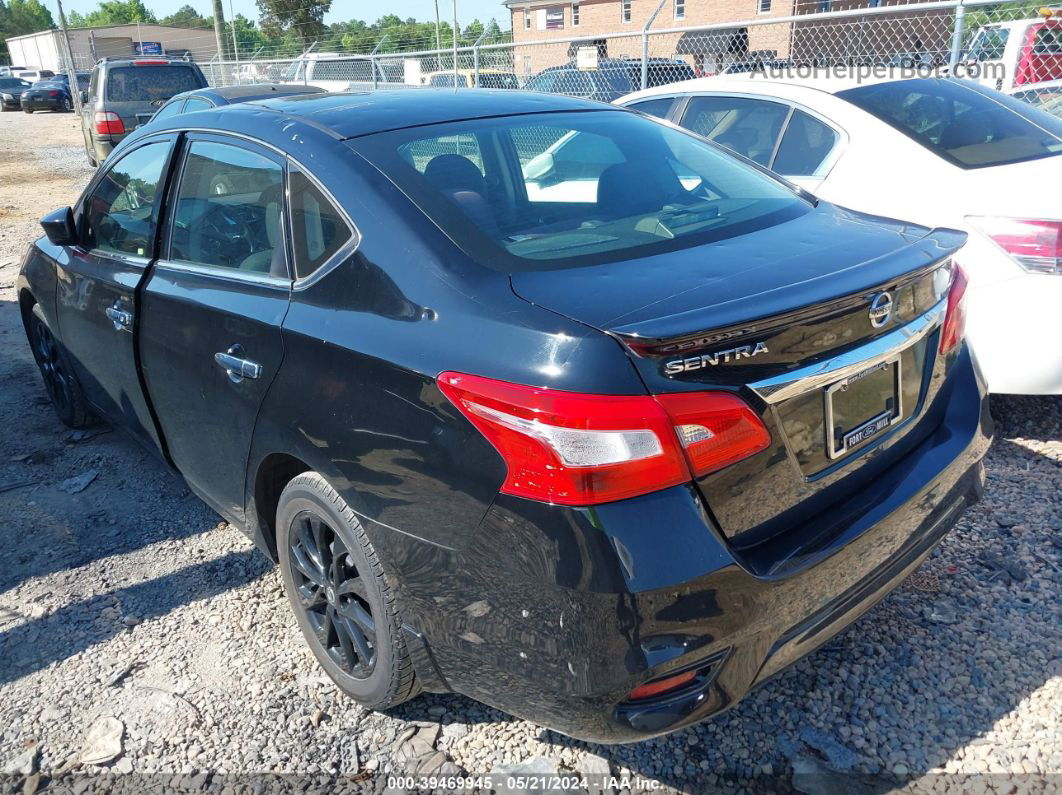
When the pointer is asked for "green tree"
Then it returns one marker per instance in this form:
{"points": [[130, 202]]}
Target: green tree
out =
{"points": [[186, 17], [304, 18], [113, 12]]}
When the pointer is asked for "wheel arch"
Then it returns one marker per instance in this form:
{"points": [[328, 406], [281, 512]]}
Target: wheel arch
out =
{"points": [[273, 473]]}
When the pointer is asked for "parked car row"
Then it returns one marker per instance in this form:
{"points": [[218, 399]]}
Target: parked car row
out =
{"points": [[50, 93]]}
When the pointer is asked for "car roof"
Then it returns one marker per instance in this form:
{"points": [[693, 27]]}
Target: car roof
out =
{"points": [[350, 115], [795, 87], [227, 95]]}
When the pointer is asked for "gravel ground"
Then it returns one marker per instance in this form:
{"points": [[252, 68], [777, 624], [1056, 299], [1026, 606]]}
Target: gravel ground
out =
{"points": [[131, 600]]}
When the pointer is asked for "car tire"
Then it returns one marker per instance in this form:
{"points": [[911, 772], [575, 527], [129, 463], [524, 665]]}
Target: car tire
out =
{"points": [[67, 397], [68, 106], [341, 599], [27, 110], [92, 161]]}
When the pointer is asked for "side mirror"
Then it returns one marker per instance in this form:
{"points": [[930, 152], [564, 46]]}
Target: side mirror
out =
{"points": [[84, 96], [59, 227]]}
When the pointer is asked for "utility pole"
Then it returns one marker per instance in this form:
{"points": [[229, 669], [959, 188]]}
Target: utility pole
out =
{"points": [[71, 72], [455, 45], [438, 40], [235, 45], [219, 29]]}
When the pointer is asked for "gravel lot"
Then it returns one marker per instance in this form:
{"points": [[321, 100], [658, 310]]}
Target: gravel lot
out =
{"points": [[130, 599]]}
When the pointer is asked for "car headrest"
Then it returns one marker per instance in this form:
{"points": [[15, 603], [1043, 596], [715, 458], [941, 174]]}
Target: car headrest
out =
{"points": [[455, 172]]}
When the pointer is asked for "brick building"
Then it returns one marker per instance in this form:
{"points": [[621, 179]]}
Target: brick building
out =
{"points": [[615, 27]]}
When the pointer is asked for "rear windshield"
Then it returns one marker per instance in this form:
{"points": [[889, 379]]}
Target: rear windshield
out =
{"points": [[966, 124], [149, 83], [553, 190]]}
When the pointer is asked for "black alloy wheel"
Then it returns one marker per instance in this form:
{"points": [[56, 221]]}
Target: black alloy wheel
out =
{"points": [[344, 604], [63, 389], [332, 594]]}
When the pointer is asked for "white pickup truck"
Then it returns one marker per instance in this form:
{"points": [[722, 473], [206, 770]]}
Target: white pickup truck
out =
{"points": [[1012, 54]]}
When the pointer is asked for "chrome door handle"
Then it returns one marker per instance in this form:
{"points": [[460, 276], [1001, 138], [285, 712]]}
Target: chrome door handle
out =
{"points": [[121, 318], [236, 366]]}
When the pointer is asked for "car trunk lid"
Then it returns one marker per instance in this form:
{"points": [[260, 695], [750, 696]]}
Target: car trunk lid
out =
{"points": [[824, 324]]}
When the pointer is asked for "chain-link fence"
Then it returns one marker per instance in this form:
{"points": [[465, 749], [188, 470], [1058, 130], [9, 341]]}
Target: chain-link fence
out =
{"points": [[1003, 44]]}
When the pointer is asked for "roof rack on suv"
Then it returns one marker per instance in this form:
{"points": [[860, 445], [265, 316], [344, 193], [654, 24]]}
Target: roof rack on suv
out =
{"points": [[145, 57]]}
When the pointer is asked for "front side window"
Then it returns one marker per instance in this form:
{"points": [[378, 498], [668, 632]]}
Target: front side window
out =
{"points": [[1048, 40], [989, 44], [962, 122], [749, 127], [569, 189], [120, 216], [228, 210], [318, 230]]}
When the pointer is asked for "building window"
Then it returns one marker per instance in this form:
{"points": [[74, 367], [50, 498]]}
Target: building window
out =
{"points": [[765, 6], [555, 18], [575, 15], [625, 11], [680, 9], [527, 64], [527, 19], [824, 6]]}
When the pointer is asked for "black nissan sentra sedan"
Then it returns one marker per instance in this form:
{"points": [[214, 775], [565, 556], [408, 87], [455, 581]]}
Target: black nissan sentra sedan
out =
{"points": [[603, 440]]}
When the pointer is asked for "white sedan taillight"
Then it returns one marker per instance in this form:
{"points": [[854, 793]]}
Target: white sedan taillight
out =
{"points": [[1036, 245]]}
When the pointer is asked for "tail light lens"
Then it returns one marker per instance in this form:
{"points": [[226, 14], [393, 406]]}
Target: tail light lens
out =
{"points": [[1035, 245], [954, 327], [53, 93], [109, 123], [577, 449]]}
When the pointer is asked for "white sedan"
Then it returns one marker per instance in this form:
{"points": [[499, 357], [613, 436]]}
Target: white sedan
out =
{"points": [[934, 151]]}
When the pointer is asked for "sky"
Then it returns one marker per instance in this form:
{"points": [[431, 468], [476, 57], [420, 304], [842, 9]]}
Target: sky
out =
{"points": [[342, 10]]}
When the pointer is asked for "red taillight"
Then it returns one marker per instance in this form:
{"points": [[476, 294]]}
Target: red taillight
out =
{"points": [[576, 449], [53, 93], [661, 686], [149, 62], [109, 123], [951, 333], [1035, 245]]}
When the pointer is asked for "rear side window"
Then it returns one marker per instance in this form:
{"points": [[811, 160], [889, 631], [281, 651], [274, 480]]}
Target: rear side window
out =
{"points": [[497, 81], [317, 228], [749, 127], [583, 188], [119, 214], [196, 103], [1048, 40], [149, 83], [961, 121], [228, 210], [805, 145]]}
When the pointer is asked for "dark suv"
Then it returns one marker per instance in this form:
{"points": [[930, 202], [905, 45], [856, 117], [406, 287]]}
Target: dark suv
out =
{"points": [[126, 92], [604, 443]]}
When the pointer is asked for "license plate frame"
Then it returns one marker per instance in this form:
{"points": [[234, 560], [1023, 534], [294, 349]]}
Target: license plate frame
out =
{"points": [[851, 439]]}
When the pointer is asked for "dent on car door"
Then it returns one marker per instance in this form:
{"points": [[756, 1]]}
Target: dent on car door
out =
{"points": [[210, 338], [97, 302]]}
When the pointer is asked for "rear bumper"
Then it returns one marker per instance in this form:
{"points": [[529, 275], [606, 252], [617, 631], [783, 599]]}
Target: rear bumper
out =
{"points": [[1013, 327], [51, 103], [555, 614]]}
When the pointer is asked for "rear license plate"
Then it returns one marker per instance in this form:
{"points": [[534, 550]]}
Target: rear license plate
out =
{"points": [[861, 406]]}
